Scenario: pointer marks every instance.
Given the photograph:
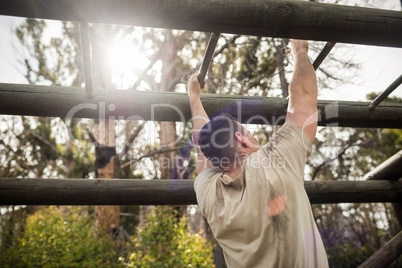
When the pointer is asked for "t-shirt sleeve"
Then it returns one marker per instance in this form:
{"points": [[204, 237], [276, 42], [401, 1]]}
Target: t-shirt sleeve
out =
{"points": [[201, 185], [288, 148]]}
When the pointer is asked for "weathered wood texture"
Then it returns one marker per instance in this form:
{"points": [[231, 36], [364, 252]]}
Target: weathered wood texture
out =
{"points": [[167, 106], [169, 192], [385, 255], [275, 18]]}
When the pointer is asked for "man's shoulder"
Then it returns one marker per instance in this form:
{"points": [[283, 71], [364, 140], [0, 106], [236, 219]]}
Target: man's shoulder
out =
{"points": [[205, 177], [202, 185], [287, 138]]}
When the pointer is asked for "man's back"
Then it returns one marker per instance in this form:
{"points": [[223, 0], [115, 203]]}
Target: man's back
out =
{"points": [[263, 217]]}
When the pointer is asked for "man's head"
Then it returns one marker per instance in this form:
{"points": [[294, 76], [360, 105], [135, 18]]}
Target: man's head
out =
{"points": [[223, 137]]}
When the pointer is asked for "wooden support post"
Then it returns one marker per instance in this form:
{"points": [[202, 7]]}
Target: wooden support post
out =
{"points": [[385, 255], [67, 102], [386, 93], [209, 53], [15, 191], [86, 57], [106, 163], [274, 18]]}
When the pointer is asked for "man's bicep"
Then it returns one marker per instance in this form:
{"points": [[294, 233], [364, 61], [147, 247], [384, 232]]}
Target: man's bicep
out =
{"points": [[288, 148]]}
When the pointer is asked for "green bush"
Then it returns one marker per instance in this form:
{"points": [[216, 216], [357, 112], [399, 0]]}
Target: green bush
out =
{"points": [[348, 256], [55, 239], [165, 241]]}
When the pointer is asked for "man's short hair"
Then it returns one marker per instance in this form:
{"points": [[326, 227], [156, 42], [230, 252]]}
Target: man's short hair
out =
{"points": [[217, 139]]}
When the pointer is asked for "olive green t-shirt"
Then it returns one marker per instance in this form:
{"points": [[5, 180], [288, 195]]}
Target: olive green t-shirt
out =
{"points": [[263, 217]]}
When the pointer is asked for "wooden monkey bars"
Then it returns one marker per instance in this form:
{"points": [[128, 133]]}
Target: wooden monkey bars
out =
{"points": [[167, 106], [274, 18], [170, 192]]}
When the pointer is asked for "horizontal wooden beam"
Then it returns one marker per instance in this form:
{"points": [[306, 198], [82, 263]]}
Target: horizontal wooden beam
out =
{"points": [[170, 192], [69, 102], [274, 18]]}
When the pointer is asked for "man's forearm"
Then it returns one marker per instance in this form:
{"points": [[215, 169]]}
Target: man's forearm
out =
{"points": [[304, 80], [199, 116]]}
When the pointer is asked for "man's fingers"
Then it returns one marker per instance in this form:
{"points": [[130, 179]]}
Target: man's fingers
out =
{"points": [[194, 78]]}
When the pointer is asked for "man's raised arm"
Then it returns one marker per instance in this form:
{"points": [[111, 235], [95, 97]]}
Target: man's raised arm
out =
{"points": [[302, 108], [199, 119]]}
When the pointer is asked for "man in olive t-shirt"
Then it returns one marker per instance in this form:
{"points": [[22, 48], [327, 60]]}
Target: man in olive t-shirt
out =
{"points": [[253, 197]]}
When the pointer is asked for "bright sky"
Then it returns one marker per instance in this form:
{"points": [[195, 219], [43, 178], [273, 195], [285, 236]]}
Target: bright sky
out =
{"points": [[381, 65]]}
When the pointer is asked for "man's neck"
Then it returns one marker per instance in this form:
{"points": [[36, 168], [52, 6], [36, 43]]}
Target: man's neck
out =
{"points": [[234, 172], [235, 168]]}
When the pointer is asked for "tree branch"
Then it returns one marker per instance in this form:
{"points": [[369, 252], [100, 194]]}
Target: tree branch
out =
{"points": [[130, 140], [226, 45], [40, 138], [161, 151], [141, 77]]}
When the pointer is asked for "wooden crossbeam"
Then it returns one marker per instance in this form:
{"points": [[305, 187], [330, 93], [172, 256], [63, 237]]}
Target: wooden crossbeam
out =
{"points": [[167, 106], [274, 18], [170, 192]]}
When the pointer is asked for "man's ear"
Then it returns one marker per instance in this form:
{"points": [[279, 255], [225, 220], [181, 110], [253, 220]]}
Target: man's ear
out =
{"points": [[241, 139]]}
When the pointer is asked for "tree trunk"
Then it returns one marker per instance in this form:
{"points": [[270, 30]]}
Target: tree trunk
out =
{"points": [[107, 217], [106, 163]]}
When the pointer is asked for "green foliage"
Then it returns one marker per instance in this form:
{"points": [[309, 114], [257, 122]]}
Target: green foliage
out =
{"points": [[12, 225], [165, 241], [57, 238], [53, 61], [131, 221], [348, 256]]}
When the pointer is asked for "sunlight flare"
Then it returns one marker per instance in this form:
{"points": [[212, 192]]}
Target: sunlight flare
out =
{"points": [[126, 63]]}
